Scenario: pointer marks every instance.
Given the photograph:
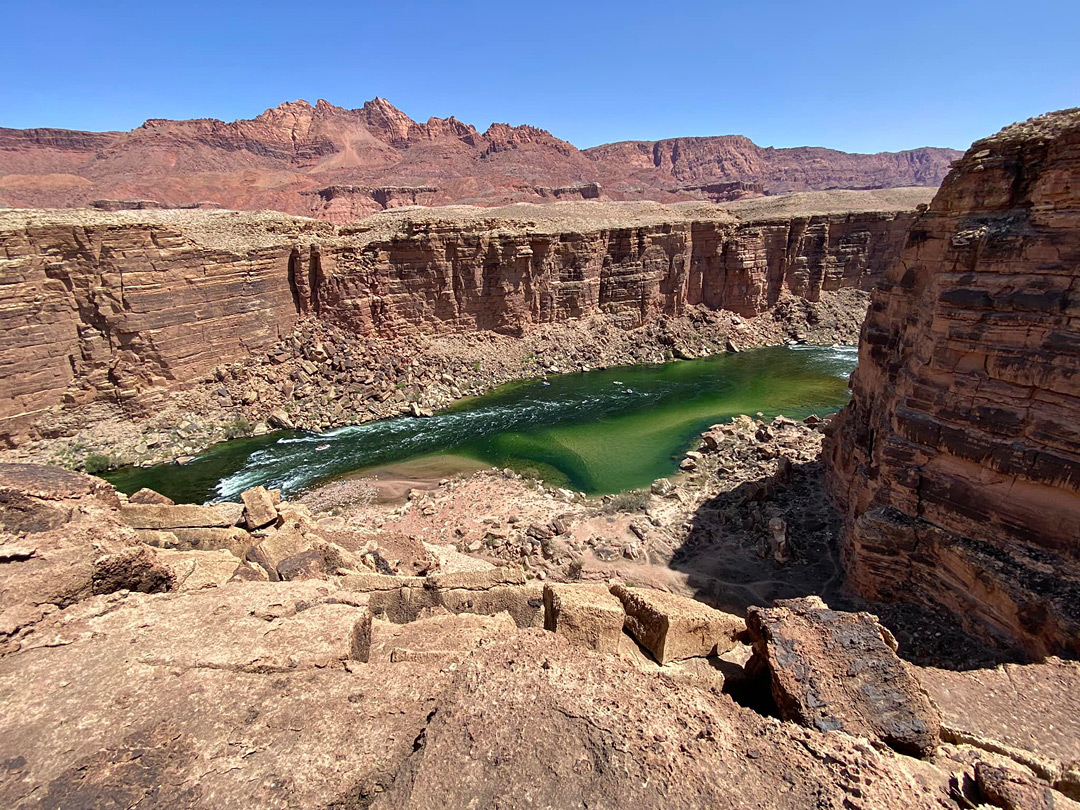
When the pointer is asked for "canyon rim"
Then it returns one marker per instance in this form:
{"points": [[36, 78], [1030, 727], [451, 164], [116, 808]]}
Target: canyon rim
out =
{"points": [[873, 608]]}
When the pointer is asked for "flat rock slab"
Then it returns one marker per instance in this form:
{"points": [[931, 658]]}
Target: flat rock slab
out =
{"points": [[47, 482], [836, 671], [534, 721], [438, 639], [586, 615], [478, 580], [1033, 707], [199, 569], [674, 627], [247, 626], [185, 516], [224, 699]]}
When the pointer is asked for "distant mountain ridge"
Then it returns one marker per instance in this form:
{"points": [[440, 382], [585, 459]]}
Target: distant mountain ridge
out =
{"points": [[339, 164]]}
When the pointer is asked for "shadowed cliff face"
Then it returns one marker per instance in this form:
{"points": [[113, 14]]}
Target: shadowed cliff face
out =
{"points": [[112, 305], [957, 463]]}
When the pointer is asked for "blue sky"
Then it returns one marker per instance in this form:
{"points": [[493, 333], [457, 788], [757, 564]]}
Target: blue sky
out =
{"points": [[866, 76]]}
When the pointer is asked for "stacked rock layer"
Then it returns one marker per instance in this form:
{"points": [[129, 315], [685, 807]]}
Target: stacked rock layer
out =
{"points": [[957, 463], [116, 304]]}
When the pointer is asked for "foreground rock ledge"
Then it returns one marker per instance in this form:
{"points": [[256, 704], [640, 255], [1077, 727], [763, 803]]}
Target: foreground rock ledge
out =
{"points": [[839, 671], [253, 695]]}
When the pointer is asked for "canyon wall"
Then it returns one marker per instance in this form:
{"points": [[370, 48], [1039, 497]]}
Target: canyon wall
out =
{"points": [[116, 304], [460, 275], [957, 462], [111, 305]]}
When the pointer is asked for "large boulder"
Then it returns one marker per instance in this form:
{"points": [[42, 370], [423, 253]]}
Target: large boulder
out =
{"points": [[585, 614], [286, 542], [182, 516], [835, 671], [259, 508], [1013, 789], [137, 568], [54, 525], [674, 627]]}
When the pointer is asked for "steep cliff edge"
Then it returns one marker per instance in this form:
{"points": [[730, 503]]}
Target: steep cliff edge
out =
{"points": [[506, 269], [957, 463], [113, 306], [110, 305]]}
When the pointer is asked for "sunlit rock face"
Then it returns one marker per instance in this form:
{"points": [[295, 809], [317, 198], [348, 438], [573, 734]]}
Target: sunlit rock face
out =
{"points": [[957, 463], [111, 305]]}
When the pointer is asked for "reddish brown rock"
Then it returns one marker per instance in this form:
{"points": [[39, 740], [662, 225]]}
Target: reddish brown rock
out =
{"points": [[1032, 708], [537, 716], [838, 671], [54, 524], [258, 695], [1014, 790], [956, 463], [145, 495], [339, 164], [148, 301], [133, 569], [100, 304]]}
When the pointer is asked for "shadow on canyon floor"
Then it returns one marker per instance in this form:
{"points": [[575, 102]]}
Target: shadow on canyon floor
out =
{"points": [[731, 563]]}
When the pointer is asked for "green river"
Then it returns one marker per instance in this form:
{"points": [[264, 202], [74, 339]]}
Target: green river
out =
{"points": [[597, 432]]}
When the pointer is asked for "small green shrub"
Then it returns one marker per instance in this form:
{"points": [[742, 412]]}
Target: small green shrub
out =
{"points": [[630, 501], [96, 463], [241, 426]]}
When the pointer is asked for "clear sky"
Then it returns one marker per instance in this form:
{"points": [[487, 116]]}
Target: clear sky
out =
{"points": [[860, 76]]}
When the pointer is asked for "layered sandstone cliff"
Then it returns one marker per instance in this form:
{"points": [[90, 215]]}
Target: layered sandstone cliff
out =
{"points": [[110, 305], [957, 463], [113, 305], [509, 268]]}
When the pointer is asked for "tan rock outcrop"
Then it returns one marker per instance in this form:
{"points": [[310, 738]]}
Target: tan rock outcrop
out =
{"points": [[54, 525], [675, 627], [587, 615], [956, 463], [288, 695]]}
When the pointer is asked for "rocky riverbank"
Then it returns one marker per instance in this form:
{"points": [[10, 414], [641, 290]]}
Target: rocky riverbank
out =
{"points": [[324, 376], [341, 657]]}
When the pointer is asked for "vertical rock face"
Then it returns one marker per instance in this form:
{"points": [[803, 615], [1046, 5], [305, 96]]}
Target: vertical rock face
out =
{"points": [[957, 463], [112, 305], [117, 304], [452, 275]]}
